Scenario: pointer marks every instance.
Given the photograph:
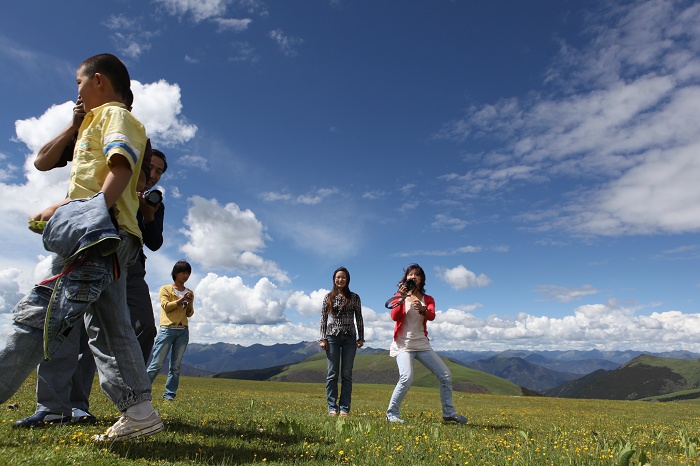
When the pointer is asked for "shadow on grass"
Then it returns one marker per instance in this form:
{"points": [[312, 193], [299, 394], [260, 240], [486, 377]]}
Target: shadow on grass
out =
{"points": [[494, 427], [159, 450], [218, 443]]}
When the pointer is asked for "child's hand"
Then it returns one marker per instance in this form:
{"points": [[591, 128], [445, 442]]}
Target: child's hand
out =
{"points": [[38, 221], [37, 226]]}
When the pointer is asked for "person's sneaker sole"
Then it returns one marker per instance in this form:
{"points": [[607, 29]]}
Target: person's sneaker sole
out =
{"points": [[146, 432], [121, 430]]}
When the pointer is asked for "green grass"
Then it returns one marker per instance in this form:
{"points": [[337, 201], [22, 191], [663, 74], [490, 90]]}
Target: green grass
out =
{"points": [[675, 396], [219, 421]]}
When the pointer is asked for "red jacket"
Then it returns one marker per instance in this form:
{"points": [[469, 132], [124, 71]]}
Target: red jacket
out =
{"points": [[398, 313]]}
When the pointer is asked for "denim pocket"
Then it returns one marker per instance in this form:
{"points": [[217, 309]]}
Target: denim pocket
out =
{"points": [[86, 282], [31, 310]]}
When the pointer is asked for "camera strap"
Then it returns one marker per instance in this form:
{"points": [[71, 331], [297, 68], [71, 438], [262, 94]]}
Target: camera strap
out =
{"points": [[399, 301]]}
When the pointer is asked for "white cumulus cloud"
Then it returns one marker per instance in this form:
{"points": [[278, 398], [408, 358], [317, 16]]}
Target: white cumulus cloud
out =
{"points": [[461, 278], [226, 236], [158, 106], [227, 300]]}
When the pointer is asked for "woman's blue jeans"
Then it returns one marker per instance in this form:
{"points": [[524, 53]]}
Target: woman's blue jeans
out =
{"points": [[341, 356], [432, 361], [177, 339]]}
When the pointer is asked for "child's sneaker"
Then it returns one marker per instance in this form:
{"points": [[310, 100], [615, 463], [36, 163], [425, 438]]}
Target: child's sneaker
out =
{"points": [[127, 428], [393, 418]]}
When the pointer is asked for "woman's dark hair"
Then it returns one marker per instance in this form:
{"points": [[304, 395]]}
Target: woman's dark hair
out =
{"points": [[344, 292], [181, 266], [421, 273]]}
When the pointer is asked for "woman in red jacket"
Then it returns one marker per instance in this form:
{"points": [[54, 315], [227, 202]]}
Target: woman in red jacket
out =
{"points": [[411, 342]]}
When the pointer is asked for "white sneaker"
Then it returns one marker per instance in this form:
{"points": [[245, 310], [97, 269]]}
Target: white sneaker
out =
{"points": [[127, 428], [394, 418]]}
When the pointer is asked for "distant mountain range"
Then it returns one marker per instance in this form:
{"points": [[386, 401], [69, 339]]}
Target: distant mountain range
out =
{"points": [[379, 368], [219, 357], [520, 371], [545, 370], [645, 376], [573, 374]]}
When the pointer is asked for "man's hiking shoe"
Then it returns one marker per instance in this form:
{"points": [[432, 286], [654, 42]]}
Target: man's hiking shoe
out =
{"points": [[83, 417], [456, 418], [128, 428], [43, 419]]}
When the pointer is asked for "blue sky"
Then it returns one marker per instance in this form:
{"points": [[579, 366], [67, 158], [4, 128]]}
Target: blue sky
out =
{"points": [[538, 159]]}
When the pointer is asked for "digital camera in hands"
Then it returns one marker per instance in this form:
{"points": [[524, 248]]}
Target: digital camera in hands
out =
{"points": [[410, 284], [153, 197]]}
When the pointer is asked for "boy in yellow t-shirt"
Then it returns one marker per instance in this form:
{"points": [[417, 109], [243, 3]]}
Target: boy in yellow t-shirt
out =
{"points": [[107, 159]]}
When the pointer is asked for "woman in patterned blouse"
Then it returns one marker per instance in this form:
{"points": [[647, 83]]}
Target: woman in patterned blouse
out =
{"points": [[341, 309]]}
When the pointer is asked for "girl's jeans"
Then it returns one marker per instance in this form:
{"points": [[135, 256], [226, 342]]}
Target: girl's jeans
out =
{"points": [[341, 356], [432, 361], [177, 339]]}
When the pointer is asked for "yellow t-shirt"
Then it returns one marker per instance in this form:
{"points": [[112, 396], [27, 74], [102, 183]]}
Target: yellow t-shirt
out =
{"points": [[107, 130]]}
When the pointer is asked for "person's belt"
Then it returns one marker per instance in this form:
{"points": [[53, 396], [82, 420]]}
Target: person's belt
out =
{"points": [[173, 326]]}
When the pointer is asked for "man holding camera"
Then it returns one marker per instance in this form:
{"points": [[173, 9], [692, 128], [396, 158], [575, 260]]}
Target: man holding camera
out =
{"points": [[150, 218]]}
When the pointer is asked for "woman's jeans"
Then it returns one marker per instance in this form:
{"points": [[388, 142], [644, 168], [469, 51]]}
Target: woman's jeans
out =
{"points": [[177, 339], [341, 356], [432, 361]]}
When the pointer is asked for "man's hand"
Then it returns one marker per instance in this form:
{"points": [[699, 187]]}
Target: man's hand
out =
{"points": [[78, 113], [50, 154], [147, 210]]}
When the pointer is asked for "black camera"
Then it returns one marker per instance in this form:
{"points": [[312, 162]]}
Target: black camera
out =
{"points": [[410, 284], [153, 197]]}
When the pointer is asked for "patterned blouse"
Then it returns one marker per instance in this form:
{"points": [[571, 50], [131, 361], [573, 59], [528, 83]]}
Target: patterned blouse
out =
{"points": [[342, 320]]}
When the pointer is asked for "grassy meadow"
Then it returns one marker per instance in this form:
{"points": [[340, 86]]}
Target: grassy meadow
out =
{"points": [[220, 421]]}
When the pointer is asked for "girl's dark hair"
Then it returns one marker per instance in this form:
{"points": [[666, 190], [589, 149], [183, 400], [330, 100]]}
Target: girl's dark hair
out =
{"points": [[344, 292], [181, 266], [421, 273]]}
